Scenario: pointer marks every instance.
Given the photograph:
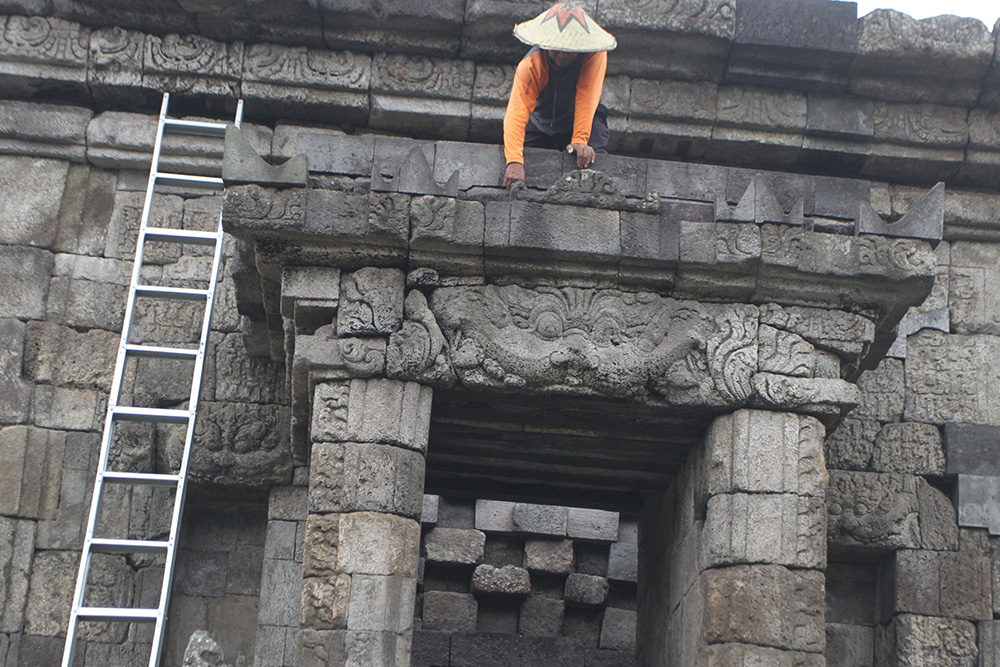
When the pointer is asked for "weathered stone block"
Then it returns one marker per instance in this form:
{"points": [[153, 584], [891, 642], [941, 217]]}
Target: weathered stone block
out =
{"points": [[623, 562], [541, 616], [16, 544], [61, 356], [15, 408], [909, 448], [374, 543], [785, 529], [947, 378], [233, 364], [851, 445], [766, 452], [540, 519], [971, 449], [450, 612], [44, 130], [926, 640], [280, 593], [849, 645], [429, 509], [349, 477], [377, 411], [827, 398], [618, 629], [596, 525], [457, 513], [875, 510], [495, 516], [955, 584], [25, 274], [881, 392], [767, 605], [430, 648], [454, 546], [325, 601], [586, 590], [381, 603], [506, 581], [552, 556], [938, 521], [38, 48], [67, 409], [371, 302], [31, 463], [288, 503], [30, 193], [835, 330], [239, 444], [447, 233], [978, 507], [724, 655]]}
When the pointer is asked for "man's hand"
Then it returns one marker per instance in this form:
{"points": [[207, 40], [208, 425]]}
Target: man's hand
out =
{"points": [[514, 173], [585, 155]]}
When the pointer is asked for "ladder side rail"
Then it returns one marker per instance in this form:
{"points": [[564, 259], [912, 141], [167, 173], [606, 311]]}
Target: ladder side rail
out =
{"points": [[195, 397], [108, 429]]}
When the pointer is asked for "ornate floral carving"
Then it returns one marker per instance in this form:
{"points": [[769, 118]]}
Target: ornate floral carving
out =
{"points": [[299, 65], [44, 40], [254, 203], [448, 79], [586, 187], [599, 342], [419, 351], [193, 54]]}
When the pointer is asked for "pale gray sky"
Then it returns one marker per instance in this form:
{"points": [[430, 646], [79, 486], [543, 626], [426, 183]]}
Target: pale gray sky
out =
{"points": [[986, 11]]}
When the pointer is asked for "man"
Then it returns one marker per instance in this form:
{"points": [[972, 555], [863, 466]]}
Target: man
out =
{"points": [[555, 101]]}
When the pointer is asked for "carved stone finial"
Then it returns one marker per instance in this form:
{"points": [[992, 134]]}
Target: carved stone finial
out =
{"points": [[413, 175], [924, 220], [242, 165]]}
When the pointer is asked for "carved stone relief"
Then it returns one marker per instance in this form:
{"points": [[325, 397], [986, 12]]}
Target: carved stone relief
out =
{"points": [[599, 343]]}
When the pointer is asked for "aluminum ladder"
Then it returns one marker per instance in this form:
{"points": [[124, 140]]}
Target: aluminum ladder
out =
{"points": [[125, 413]]}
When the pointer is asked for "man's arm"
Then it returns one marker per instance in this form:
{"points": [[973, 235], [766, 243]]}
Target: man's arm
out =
{"points": [[588, 96], [529, 79]]}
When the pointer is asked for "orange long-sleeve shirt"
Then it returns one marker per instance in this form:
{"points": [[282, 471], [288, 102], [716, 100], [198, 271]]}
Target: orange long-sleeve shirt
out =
{"points": [[530, 82]]}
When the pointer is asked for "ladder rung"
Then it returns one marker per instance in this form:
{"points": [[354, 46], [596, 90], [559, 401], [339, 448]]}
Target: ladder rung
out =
{"points": [[176, 126], [115, 546], [188, 180], [137, 478], [181, 236], [185, 293], [157, 415], [117, 614], [150, 351]]}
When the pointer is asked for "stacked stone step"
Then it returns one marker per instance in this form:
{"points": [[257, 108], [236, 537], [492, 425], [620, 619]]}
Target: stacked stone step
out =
{"points": [[524, 584]]}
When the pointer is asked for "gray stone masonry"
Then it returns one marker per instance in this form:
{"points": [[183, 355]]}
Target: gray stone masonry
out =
{"points": [[454, 546], [506, 581]]}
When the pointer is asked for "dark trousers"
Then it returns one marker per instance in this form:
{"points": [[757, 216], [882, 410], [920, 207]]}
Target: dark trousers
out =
{"points": [[599, 134]]}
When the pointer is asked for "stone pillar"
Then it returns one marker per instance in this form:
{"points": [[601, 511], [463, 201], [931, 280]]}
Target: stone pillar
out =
{"points": [[362, 537], [732, 555]]}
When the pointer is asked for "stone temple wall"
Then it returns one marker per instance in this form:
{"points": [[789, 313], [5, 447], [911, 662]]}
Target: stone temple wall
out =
{"points": [[833, 500]]}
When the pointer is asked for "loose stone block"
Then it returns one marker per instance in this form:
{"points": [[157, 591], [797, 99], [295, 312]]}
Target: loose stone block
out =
{"points": [[349, 477], [540, 519], [596, 525], [541, 616], [374, 543], [877, 510], [766, 452], [449, 612], [972, 449], [948, 378], [767, 605], [495, 516], [454, 546], [371, 302], [623, 562], [506, 581], [372, 411], [31, 462], [16, 544], [766, 528], [25, 274], [618, 629], [586, 590], [550, 556]]}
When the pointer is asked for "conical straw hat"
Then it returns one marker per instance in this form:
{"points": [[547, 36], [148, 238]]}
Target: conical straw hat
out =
{"points": [[565, 27]]}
